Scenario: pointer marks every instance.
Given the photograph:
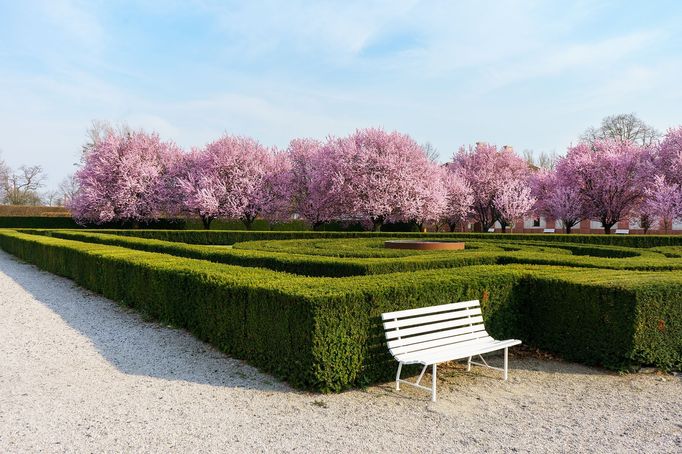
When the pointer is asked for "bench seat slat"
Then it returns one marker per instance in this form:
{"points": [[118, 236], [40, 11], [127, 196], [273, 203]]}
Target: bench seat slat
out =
{"points": [[442, 355], [452, 348], [448, 349], [449, 341], [403, 322], [429, 310], [437, 335], [430, 327]]}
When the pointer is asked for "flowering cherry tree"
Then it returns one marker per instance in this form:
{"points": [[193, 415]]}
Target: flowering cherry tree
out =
{"points": [[513, 200], [557, 197], [121, 178], [191, 189], [612, 177], [310, 182], [669, 156], [431, 202], [379, 176], [229, 178], [663, 202], [373, 176], [487, 170], [458, 199], [274, 197]]}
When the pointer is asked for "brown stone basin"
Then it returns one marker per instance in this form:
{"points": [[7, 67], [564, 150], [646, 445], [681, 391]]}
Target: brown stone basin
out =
{"points": [[423, 245]]}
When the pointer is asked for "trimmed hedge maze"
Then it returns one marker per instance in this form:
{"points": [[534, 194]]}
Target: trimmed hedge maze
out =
{"points": [[305, 306]]}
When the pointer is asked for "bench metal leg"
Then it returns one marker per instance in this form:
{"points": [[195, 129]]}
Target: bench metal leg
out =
{"points": [[397, 377], [433, 385], [484, 363], [419, 379], [421, 375]]}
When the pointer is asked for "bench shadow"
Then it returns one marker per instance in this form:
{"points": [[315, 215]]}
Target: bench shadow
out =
{"points": [[129, 343], [524, 359]]}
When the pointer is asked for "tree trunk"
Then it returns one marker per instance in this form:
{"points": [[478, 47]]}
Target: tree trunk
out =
{"points": [[248, 222], [206, 221], [607, 228], [377, 223], [567, 228]]}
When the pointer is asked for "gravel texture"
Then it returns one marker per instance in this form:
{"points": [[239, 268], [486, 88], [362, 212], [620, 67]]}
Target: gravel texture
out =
{"points": [[78, 373]]}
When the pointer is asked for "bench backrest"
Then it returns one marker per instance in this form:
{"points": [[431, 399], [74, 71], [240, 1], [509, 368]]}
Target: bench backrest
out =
{"points": [[622, 231], [430, 327], [549, 230]]}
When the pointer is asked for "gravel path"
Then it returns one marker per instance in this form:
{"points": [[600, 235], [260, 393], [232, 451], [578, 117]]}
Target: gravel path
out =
{"points": [[79, 373]]}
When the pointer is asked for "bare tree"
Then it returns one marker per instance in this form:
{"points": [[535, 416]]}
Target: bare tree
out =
{"points": [[4, 174], [543, 160], [21, 188], [431, 151], [100, 129], [67, 190], [51, 198], [624, 127]]}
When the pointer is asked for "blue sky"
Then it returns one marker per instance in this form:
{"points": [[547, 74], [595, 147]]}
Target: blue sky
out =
{"points": [[533, 74]]}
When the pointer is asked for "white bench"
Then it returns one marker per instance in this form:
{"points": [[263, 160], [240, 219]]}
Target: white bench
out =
{"points": [[549, 231], [491, 230], [622, 231], [437, 334]]}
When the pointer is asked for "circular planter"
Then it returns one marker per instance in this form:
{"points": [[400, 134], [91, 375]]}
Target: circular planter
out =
{"points": [[423, 245]]}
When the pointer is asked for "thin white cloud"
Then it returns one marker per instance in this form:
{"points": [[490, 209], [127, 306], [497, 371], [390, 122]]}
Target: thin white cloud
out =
{"points": [[557, 60], [74, 19], [340, 29]]}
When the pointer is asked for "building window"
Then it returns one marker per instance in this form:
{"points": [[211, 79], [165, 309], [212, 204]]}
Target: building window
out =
{"points": [[536, 222]]}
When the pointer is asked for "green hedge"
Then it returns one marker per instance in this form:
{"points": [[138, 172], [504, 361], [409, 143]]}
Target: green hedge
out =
{"points": [[329, 257], [67, 222], [325, 333], [237, 236], [37, 222], [609, 318], [228, 237], [292, 263]]}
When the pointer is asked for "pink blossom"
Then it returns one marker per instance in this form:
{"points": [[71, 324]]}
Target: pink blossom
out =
{"points": [[458, 199], [669, 156], [431, 201], [310, 182], [121, 179], [558, 197], [487, 169], [228, 178], [512, 201], [612, 177], [379, 176], [663, 202]]}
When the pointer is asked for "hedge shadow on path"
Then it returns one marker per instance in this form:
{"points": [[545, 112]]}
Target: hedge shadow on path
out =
{"points": [[129, 343]]}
